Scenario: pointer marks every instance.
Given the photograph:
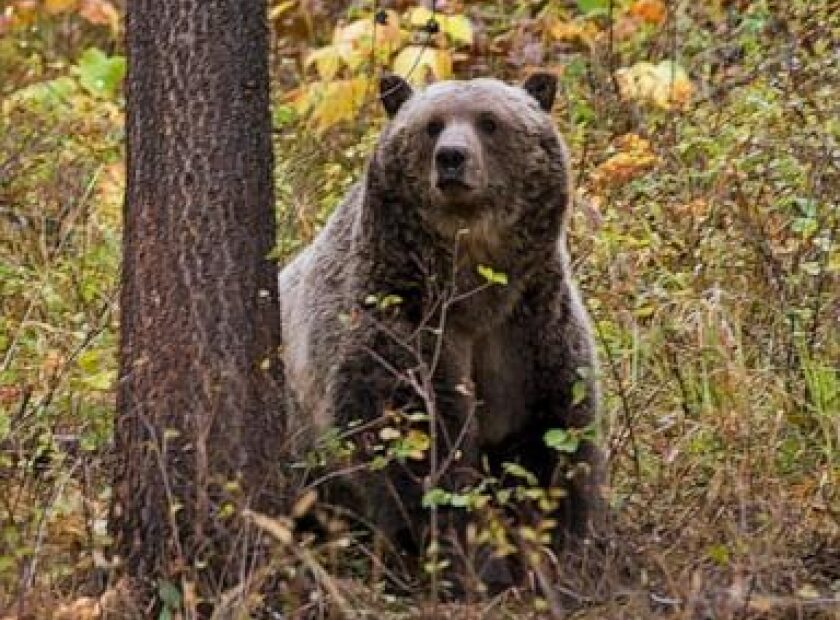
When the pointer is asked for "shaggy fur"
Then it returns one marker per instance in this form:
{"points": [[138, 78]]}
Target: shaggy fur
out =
{"points": [[504, 365]]}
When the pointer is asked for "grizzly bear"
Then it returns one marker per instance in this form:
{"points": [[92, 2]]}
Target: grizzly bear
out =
{"points": [[440, 293]]}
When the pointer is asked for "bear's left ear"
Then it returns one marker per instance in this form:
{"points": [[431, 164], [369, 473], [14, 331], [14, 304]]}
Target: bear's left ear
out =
{"points": [[393, 92], [542, 86]]}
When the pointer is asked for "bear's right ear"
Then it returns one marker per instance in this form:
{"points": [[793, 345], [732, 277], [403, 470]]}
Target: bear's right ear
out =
{"points": [[393, 92]]}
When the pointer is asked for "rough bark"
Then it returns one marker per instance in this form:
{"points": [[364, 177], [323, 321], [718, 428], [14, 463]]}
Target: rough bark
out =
{"points": [[199, 418]]}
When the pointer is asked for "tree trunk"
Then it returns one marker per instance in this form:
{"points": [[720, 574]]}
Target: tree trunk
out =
{"points": [[199, 419]]}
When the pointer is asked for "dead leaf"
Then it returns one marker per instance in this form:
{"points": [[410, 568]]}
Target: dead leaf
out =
{"points": [[278, 528], [389, 434], [85, 608], [633, 157], [650, 11], [694, 209], [23, 13], [304, 504], [54, 7], [53, 360], [9, 394], [583, 32], [808, 591], [110, 187], [101, 13], [665, 85]]}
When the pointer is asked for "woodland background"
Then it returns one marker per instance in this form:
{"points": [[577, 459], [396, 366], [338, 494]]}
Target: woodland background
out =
{"points": [[706, 142]]}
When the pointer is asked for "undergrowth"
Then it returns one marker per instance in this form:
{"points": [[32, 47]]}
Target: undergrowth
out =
{"points": [[705, 239]]}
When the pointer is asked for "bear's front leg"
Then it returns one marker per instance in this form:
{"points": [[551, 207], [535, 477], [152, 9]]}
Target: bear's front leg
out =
{"points": [[565, 377], [392, 378]]}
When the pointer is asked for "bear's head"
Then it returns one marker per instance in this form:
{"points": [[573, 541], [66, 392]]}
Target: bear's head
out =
{"points": [[462, 152]]}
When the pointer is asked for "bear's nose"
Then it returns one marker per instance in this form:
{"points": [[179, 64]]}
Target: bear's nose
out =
{"points": [[450, 161]]}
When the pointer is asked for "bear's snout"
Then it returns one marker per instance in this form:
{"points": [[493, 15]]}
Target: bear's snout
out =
{"points": [[451, 164], [457, 171]]}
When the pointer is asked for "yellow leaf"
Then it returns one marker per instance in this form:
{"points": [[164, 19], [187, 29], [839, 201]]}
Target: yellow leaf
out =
{"points": [[415, 62], [54, 7], [326, 61], [277, 11], [355, 32], [665, 85], [354, 40], [389, 33], [673, 86], [329, 103], [420, 16], [457, 27]]}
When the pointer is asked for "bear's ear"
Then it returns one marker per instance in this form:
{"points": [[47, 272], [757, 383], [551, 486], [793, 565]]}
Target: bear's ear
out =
{"points": [[393, 92], [542, 86]]}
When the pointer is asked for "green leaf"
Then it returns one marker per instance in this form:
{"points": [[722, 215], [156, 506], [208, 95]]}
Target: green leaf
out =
{"points": [[89, 361], [99, 74], [417, 440], [718, 554], [436, 497], [562, 440], [492, 277], [283, 115], [100, 381], [593, 7], [460, 500], [169, 594], [578, 392], [389, 300], [48, 94], [516, 470]]}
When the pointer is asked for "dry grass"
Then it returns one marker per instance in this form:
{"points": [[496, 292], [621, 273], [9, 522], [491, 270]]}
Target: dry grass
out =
{"points": [[713, 275]]}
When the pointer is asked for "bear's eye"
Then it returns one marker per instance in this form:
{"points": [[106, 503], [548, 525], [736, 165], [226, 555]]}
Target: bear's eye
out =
{"points": [[487, 124], [434, 128]]}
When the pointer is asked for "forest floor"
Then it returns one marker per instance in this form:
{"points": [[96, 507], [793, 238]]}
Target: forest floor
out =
{"points": [[706, 143]]}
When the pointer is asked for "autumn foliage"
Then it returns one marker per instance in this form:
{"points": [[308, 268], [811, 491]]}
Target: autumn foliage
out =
{"points": [[704, 137]]}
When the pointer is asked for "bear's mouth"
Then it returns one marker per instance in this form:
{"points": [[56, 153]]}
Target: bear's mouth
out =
{"points": [[453, 185]]}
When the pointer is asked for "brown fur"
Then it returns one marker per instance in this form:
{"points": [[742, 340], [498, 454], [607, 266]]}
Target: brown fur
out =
{"points": [[509, 354]]}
